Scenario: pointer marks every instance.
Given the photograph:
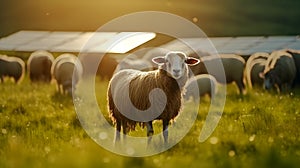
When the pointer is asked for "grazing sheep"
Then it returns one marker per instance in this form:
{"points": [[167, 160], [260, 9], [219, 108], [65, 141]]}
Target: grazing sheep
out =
{"points": [[258, 55], [39, 65], [255, 68], [255, 64], [64, 68], [12, 67], [296, 56], [233, 69], [131, 99], [280, 71], [206, 83]]}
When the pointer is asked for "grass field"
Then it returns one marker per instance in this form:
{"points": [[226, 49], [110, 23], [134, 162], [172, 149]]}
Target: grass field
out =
{"points": [[39, 128]]}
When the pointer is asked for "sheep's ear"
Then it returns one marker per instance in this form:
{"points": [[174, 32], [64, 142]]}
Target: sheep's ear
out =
{"points": [[159, 60], [261, 75], [192, 61]]}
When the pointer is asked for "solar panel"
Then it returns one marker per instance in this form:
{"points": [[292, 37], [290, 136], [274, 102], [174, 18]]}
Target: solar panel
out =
{"points": [[119, 42], [122, 42], [20, 38], [86, 40], [48, 42], [242, 45]]}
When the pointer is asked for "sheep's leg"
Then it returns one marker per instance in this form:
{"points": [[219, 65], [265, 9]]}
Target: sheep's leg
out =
{"points": [[149, 131], [165, 130], [118, 130], [16, 79], [58, 88], [124, 126], [241, 87]]}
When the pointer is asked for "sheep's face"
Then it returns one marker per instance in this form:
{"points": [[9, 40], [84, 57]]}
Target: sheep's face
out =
{"points": [[270, 79], [175, 63]]}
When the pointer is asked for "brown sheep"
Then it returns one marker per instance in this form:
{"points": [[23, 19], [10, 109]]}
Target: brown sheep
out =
{"points": [[279, 72], [12, 67], [39, 65], [128, 91], [233, 69]]}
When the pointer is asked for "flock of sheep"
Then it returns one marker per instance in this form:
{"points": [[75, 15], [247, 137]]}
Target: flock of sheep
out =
{"points": [[279, 69], [130, 95], [42, 67]]}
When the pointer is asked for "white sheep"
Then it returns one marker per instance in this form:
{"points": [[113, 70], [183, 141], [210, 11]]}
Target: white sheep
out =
{"points": [[67, 71], [206, 83], [132, 96], [11, 67], [39, 65]]}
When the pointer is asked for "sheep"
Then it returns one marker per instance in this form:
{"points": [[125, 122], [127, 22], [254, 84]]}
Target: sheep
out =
{"points": [[64, 68], [12, 67], [255, 68], [39, 64], [233, 69], [254, 65], [296, 56], [206, 83], [128, 92], [258, 55], [279, 72]]}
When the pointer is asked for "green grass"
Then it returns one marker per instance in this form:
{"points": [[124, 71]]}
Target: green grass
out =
{"points": [[39, 128]]}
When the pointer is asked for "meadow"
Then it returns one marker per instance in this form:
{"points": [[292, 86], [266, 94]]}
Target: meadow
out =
{"points": [[39, 128]]}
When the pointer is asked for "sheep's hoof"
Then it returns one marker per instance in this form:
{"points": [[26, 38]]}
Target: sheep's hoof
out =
{"points": [[150, 133]]}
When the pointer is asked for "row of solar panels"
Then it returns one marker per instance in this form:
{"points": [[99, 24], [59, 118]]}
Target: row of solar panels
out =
{"points": [[238, 45], [122, 42], [103, 42]]}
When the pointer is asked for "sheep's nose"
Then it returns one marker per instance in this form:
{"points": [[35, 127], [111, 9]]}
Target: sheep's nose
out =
{"points": [[176, 71]]}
